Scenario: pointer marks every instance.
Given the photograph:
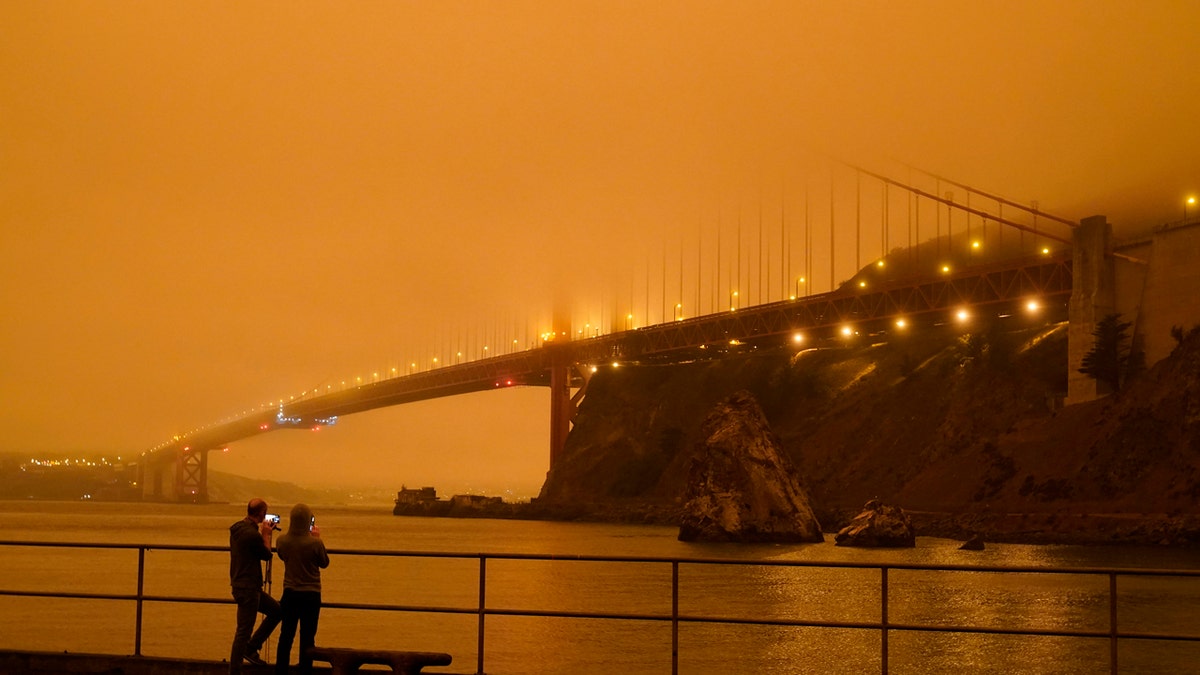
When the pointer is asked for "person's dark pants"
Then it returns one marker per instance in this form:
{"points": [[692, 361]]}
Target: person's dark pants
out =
{"points": [[250, 602], [303, 607]]}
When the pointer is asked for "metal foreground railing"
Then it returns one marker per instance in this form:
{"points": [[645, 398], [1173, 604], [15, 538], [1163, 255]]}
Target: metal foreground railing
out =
{"points": [[884, 626]]}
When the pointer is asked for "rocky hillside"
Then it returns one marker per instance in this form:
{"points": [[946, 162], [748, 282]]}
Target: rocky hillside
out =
{"points": [[967, 432]]}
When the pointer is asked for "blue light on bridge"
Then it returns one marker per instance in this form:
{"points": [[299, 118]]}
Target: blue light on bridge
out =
{"points": [[280, 418]]}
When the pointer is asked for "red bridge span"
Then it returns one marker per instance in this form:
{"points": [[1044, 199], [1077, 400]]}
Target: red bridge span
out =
{"points": [[869, 303]]}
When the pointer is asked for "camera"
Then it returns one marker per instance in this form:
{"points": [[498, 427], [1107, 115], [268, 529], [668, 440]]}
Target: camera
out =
{"points": [[273, 519]]}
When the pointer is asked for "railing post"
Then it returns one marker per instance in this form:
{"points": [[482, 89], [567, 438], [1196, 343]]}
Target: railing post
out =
{"points": [[883, 621], [1112, 622], [674, 617], [482, 605], [137, 631]]}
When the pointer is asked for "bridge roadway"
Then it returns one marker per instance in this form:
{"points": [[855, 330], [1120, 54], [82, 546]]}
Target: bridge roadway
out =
{"points": [[564, 366]]}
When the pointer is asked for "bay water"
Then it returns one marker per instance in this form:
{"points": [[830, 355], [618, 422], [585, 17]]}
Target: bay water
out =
{"points": [[536, 645]]}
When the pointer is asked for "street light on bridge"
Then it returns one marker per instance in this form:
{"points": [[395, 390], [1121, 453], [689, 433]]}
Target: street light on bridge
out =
{"points": [[800, 281], [678, 311], [1186, 203], [733, 295]]}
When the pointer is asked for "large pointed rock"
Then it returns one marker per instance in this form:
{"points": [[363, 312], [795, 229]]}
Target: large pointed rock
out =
{"points": [[879, 525], [741, 487]]}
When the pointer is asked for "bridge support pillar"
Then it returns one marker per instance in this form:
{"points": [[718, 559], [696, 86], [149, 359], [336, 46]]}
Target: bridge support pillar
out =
{"points": [[1093, 295], [183, 478], [191, 476], [564, 405]]}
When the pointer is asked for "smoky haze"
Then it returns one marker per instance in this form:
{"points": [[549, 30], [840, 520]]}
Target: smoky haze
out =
{"points": [[210, 207]]}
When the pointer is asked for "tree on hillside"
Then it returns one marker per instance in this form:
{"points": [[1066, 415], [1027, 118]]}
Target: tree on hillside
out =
{"points": [[1109, 357]]}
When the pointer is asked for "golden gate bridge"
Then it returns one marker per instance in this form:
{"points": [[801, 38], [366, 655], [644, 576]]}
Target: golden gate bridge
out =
{"points": [[1004, 257]]}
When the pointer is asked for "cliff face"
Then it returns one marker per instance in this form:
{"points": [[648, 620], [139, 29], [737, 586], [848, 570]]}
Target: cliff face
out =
{"points": [[934, 422]]}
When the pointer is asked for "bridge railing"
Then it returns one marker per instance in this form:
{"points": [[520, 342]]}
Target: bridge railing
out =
{"points": [[884, 626]]}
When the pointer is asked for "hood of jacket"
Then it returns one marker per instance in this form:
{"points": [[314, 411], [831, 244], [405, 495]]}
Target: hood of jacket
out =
{"points": [[300, 519]]}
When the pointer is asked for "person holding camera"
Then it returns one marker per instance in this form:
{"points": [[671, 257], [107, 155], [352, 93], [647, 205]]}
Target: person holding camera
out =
{"points": [[249, 546], [304, 556]]}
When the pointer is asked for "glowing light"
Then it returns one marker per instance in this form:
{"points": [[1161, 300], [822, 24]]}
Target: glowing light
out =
{"points": [[862, 284], [1032, 306], [963, 315], [847, 331], [615, 364], [280, 418], [1045, 250], [945, 269], [901, 323], [798, 337], [879, 264], [975, 244], [594, 369]]}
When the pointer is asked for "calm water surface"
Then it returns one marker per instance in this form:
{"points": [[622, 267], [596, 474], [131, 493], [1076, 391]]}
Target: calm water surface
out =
{"points": [[570, 645]]}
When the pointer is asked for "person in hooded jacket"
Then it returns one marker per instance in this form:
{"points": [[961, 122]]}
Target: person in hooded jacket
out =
{"points": [[249, 546], [303, 554]]}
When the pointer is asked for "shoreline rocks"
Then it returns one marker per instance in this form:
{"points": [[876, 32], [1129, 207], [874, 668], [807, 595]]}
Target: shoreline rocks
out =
{"points": [[741, 487], [879, 525]]}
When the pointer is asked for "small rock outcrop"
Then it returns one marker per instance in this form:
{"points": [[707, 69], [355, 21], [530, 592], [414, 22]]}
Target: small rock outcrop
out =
{"points": [[741, 487], [879, 525]]}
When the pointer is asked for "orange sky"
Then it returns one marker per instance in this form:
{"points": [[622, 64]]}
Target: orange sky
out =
{"points": [[205, 206]]}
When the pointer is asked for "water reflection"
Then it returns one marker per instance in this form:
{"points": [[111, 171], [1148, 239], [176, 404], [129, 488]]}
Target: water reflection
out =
{"points": [[518, 644]]}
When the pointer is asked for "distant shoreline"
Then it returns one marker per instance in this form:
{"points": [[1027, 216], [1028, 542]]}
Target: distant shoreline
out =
{"points": [[1096, 529]]}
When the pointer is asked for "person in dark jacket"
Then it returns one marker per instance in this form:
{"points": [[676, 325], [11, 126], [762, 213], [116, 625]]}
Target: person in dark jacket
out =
{"points": [[249, 546], [303, 554]]}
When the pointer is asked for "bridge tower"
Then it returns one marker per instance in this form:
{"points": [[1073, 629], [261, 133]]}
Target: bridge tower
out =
{"points": [[1093, 295], [564, 373], [179, 477]]}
